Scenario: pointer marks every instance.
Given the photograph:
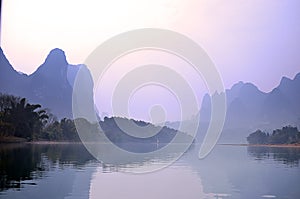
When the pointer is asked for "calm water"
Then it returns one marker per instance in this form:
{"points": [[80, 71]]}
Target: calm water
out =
{"points": [[69, 171]]}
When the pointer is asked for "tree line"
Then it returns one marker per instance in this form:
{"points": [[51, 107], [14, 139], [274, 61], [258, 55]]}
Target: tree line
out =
{"points": [[19, 118], [286, 135]]}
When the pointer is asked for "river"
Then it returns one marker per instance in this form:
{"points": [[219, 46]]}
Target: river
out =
{"points": [[50, 171]]}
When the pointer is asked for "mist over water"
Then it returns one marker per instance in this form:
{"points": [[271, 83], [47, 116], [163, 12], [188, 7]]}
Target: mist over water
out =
{"points": [[69, 171]]}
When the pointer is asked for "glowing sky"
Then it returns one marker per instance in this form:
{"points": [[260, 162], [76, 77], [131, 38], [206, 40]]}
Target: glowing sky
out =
{"points": [[250, 40]]}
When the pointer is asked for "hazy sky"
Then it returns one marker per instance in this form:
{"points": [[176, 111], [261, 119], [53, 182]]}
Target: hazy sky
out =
{"points": [[254, 41]]}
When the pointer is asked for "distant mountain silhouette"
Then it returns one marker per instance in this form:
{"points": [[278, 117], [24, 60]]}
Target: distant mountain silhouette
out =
{"points": [[10, 80], [50, 85], [248, 108]]}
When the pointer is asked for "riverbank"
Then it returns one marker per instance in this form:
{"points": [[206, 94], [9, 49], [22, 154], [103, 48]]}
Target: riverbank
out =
{"points": [[12, 139], [16, 140], [53, 142], [265, 145]]}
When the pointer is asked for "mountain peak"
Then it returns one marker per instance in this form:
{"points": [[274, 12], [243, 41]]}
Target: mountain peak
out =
{"points": [[297, 77], [57, 56], [250, 86], [284, 82], [283, 79], [237, 85], [57, 51], [236, 88]]}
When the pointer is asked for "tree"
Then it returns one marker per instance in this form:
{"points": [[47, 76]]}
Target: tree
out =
{"points": [[28, 119], [69, 130], [286, 135], [60, 130], [52, 131], [6, 129], [22, 119], [6, 101], [258, 137]]}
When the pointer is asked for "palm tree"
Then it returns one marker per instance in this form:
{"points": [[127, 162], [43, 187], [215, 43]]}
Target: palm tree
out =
{"points": [[28, 119]]}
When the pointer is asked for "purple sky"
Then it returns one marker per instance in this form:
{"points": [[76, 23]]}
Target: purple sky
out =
{"points": [[251, 40]]}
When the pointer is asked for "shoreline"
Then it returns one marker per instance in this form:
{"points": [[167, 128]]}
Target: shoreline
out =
{"points": [[41, 143], [265, 145], [17, 140], [53, 142]]}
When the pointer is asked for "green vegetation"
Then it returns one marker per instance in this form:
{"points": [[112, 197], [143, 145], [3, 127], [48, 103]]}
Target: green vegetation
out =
{"points": [[20, 119], [286, 135]]}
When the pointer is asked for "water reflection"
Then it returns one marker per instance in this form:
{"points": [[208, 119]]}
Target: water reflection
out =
{"points": [[287, 155], [229, 171], [24, 162], [70, 172], [174, 182]]}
